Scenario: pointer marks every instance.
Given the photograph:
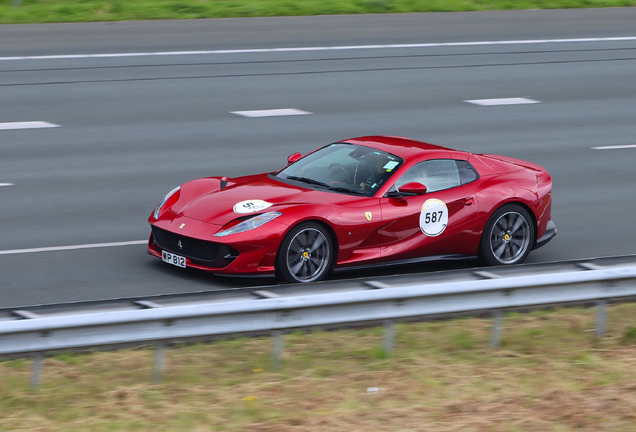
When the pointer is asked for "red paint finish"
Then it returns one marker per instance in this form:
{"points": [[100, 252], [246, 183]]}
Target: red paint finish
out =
{"points": [[365, 229], [402, 237]]}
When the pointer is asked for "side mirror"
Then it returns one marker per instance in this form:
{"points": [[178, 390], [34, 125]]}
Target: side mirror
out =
{"points": [[294, 157], [413, 188]]}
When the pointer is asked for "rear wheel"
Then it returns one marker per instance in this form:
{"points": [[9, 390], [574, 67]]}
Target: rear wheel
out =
{"points": [[305, 255], [508, 237]]}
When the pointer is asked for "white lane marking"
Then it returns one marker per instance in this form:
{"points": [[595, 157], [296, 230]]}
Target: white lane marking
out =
{"points": [[615, 147], [27, 125], [64, 248], [327, 48], [271, 112], [6, 184], [503, 101]]}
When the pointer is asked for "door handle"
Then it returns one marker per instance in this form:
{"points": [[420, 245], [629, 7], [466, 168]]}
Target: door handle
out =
{"points": [[468, 202]]}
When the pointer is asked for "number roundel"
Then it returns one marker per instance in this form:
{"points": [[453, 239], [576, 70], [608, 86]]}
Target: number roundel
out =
{"points": [[251, 206], [433, 217]]}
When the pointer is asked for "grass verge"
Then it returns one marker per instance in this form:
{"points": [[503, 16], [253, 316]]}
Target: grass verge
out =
{"points": [[551, 374], [47, 11]]}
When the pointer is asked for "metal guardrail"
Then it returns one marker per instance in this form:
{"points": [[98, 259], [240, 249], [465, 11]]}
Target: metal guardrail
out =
{"points": [[430, 273], [271, 314]]}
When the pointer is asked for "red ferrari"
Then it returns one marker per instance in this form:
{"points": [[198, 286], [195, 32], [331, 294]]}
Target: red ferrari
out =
{"points": [[361, 201]]}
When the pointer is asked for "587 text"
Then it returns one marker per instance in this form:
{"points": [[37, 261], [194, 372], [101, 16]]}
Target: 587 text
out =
{"points": [[433, 217]]}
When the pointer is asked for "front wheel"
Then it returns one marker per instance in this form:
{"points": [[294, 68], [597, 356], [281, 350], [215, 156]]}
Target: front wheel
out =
{"points": [[305, 255], [508, 237]]}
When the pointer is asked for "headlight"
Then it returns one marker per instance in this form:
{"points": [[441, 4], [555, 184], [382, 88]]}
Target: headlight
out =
{"points": [[165, 200], [249, 224]]}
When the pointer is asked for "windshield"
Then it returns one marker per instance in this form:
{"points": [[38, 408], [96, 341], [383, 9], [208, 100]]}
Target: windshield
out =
{"points": [[344, 168]]}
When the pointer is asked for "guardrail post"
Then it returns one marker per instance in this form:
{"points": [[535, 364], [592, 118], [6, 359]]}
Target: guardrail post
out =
{"points": [[160, 362], [37, 370], [497, 325], [277, 351], [389, 336], [601, 317]]}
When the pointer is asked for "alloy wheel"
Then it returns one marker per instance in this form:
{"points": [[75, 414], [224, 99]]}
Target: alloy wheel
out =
{"points": [[510, 237], [308, 255]]}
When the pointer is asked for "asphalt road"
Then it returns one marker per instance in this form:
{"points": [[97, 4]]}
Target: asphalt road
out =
{"points": [[133, 127]]}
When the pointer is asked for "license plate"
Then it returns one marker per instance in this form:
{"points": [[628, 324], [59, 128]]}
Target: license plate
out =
{"points": [[173, 259]]}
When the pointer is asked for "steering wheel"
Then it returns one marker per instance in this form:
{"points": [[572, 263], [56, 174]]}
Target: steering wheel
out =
{"points": [[344, 173]]}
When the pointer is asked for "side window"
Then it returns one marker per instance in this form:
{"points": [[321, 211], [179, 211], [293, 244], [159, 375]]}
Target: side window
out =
{"points": [[436, 175], [467, 173]]}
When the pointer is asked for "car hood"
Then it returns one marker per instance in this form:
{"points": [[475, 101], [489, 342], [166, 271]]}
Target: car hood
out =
{"points": [[245, 196]]}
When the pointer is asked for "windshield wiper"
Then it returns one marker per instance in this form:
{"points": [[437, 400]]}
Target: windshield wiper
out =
{"points": [[347, 190], [319, 183], [308, 181]]}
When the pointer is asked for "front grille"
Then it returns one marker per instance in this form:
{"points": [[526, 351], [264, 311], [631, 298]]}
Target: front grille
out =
{"points": [[200, 252]]}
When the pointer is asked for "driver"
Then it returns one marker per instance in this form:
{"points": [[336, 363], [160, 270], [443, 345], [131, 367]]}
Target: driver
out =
{"points": [[373, 173]]}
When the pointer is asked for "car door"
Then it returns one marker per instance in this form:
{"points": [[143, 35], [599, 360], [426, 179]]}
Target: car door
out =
{"points": [[438, 222]]}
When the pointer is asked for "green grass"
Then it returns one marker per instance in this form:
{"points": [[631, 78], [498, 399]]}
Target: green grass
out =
{"points": [[550, 374], [48, 11], [629, 337]]}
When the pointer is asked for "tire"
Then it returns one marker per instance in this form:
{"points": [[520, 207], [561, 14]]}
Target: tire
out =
{"points": [[305, 255], [508, 237]]}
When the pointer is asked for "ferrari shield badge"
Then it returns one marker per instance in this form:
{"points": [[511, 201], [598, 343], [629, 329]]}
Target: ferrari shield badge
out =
{"points": [[368, 215]]}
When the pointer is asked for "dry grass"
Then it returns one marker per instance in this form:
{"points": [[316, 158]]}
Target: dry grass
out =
{"points": [[551, 374]]}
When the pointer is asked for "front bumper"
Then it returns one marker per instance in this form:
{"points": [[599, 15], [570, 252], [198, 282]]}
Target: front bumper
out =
{"points": [[249, 253], [550, 233], [198, 252]]}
